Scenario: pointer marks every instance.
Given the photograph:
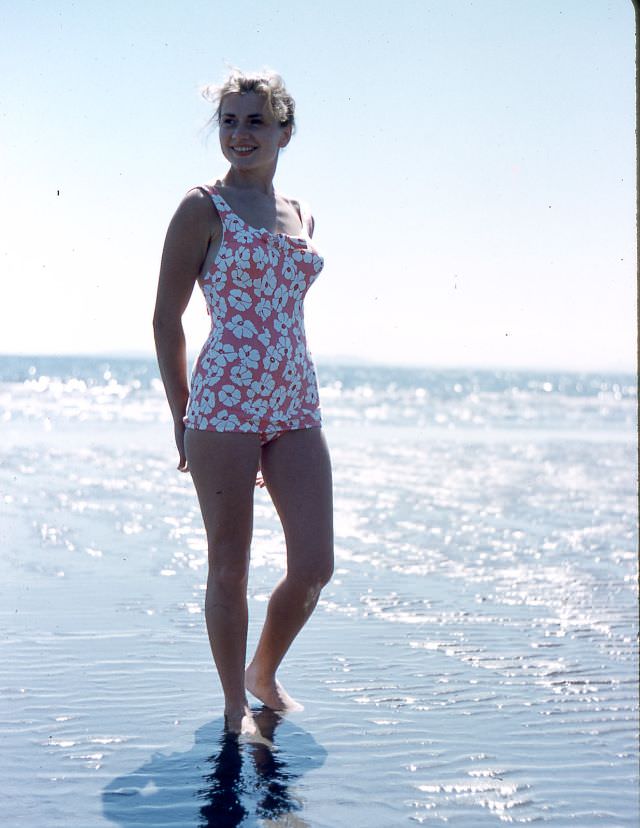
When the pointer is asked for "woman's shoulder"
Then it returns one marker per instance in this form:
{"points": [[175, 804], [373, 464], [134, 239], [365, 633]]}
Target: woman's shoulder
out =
{"points": [[197, 202], [296, 202], [198, 194], [196, 213], [303, 209]]}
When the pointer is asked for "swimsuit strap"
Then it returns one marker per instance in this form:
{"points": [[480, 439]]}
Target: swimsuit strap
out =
{"points": [[222, 206]]}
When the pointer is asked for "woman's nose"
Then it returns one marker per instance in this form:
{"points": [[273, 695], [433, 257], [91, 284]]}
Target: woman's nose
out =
{"points": [[240, 131]]}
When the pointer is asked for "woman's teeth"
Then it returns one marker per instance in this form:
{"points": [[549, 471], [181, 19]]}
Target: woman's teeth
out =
{"points": [[243, 150]]}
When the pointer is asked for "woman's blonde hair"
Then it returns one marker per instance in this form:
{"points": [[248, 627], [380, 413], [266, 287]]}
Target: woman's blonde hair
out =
{"points": [[266, 83]]}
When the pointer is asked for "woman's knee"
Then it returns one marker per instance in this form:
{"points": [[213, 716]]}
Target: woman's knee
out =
{"points": [[327, 576], [225, 587], [313, 575], [228, 566]]}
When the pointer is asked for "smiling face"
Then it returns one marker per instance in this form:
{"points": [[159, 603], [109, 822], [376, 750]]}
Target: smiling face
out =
{"points": [[250, 136]]}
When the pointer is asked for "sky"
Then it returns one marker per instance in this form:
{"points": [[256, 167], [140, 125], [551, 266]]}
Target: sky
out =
{"points": [[470, 167]]}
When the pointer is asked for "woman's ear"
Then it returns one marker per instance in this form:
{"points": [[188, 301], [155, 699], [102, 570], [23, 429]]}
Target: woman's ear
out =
{"points": [[285, 136]]}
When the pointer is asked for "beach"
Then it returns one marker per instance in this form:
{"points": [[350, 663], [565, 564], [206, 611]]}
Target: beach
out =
{"points": [[473, 661]]}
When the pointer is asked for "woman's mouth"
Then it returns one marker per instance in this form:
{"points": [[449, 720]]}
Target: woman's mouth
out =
{"points": [[243, 150]]}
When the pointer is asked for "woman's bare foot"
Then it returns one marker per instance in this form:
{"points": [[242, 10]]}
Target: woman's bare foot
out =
{"points": [[270, 692], [240, 721]]}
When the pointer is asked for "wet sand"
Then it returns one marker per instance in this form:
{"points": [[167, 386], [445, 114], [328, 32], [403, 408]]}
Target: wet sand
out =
{"points": [[473, 661]]}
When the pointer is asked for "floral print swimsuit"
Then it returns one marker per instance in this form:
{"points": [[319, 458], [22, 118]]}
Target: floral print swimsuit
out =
{"points": [[255, 373]]}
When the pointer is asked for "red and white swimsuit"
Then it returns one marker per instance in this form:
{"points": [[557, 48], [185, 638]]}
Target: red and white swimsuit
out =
{"points": [[254, 372]]}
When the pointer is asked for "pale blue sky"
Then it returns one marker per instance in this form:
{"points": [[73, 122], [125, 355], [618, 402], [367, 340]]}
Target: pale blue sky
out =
{"points": [[471, 168]]}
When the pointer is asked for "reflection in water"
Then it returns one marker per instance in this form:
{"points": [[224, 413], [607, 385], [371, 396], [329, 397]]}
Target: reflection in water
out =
{"points": [[273, 773], [240, 783], [226, 785]]}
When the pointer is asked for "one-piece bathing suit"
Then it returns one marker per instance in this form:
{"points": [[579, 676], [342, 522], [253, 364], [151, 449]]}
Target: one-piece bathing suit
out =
{"points": [[255, 373]]}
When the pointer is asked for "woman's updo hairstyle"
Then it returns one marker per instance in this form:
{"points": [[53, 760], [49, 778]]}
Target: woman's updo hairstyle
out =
{"points": [[266, 83]]}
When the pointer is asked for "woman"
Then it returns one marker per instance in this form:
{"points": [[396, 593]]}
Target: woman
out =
{"points": [[253, 403]]}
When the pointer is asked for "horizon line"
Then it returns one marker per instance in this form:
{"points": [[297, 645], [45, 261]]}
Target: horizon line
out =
{"points": [[341, 359]]}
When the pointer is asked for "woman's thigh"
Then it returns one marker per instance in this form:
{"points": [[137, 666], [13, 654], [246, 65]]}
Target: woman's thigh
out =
{"points": [[223, 467], [297, 472]]}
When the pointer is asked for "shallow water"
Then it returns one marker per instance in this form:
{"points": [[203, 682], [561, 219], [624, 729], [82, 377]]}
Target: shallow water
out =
{"points": [[473, 661]]}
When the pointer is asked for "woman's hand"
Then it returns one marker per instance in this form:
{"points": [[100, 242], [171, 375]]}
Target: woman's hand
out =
{"points": [[179, 435]]}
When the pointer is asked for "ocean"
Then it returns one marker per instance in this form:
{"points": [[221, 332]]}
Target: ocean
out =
{"points": [[473, 662]]}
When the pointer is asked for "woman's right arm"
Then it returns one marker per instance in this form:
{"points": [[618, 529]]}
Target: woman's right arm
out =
{"points": [[191, 229]]}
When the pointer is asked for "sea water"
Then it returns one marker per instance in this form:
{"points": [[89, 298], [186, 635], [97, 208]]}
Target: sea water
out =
{"points": [[473, 661]]}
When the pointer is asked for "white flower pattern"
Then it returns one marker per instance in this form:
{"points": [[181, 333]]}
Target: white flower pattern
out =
{"points": [[264, 309], [239, 299], [256, 356]]}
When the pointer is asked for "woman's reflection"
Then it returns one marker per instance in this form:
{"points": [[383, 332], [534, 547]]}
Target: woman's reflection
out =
{"points": [[227, 785], [238, 783]]}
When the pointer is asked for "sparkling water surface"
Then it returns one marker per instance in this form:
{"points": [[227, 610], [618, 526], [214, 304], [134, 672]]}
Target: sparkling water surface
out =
{"points": [[473, 662]]}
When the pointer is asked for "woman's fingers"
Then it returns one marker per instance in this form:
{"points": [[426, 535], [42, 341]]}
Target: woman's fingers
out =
{"points": [[182, 457]]}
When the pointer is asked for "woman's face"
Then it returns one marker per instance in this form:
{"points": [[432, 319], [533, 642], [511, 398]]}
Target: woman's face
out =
{"points": [[250, 136]]}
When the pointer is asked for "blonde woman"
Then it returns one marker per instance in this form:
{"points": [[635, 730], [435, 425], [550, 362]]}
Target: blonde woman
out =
{"points": [[253, 401]]}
